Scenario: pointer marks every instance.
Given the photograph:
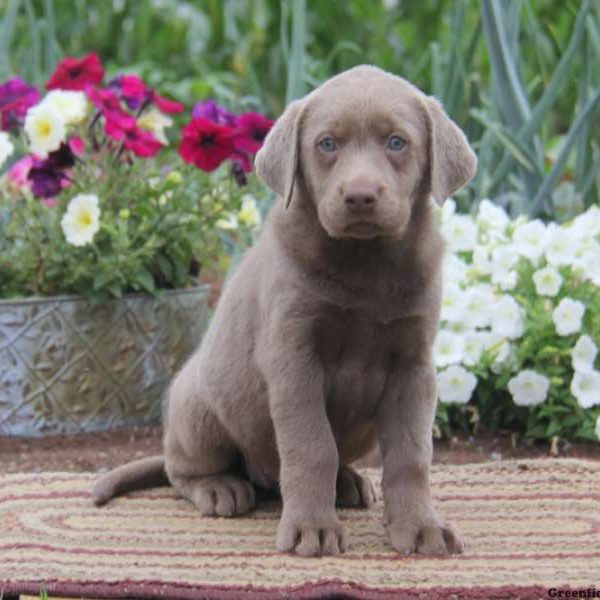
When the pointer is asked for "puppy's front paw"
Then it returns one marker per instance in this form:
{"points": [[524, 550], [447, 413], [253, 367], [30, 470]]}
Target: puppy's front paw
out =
{"points": [[353, 490], [424, 535], [310, 536]]}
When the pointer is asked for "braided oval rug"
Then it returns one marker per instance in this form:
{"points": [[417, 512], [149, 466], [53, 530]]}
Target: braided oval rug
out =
{"points": [[531, 525]]}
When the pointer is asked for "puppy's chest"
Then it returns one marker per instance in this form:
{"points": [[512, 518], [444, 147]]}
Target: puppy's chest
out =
{"points": [[358, 355]]}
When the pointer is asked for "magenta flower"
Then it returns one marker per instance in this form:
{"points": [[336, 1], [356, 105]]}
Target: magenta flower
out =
{"points": [[107, 102], [209, 109], [206, 144], [16, 97], [134, 138], [77, 73], [251, 130], [136, 93]]}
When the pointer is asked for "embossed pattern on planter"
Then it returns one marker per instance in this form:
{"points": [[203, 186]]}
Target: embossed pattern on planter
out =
{"points": [[67, 366]]}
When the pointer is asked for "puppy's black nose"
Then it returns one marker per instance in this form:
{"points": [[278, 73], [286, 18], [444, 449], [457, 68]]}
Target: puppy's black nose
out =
{"points": [[360, 203]]}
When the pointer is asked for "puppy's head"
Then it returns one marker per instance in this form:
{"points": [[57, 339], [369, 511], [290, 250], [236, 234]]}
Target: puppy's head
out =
{"points": [[368, 145]]}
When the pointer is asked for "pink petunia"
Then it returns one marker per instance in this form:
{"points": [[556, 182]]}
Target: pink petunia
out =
{"points": [[140, 142]]}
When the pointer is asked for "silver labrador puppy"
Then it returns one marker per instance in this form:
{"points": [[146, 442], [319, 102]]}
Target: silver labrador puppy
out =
{"points": [[321, 344]]}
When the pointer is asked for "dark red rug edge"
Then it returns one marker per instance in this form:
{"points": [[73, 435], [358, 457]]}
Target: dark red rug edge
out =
{"points": [[153, 590]]}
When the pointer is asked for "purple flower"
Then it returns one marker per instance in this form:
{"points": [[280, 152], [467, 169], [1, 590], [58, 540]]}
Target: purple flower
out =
{"points": [[210, 110], [16, 97], [48, 176], [46, 182]]}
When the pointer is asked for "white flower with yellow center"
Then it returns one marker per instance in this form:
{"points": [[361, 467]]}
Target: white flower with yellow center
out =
{"points": [[585, 386], [474, 344], [547, 281], [508, 318], [155, 122], [562, 246], [530, 239], [498, 346], [481, 260], [71, 105], [567, 316], [6, 147], [587, 224], [454, 268], [477, 305], [504, 260], [249, 214], [491, 216], [583, 354], [81, 222], [460, 233], [528, 388], [447, 348], [45, 128], [452, 303], [230, 223], [456, 385]]}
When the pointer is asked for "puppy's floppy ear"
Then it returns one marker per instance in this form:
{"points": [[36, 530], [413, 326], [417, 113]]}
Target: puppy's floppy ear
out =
{"points": [[452, 162], [277, 161]]}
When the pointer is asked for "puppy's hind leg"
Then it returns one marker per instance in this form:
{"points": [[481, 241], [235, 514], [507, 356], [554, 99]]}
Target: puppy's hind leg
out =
{"points": [[201, 462]]}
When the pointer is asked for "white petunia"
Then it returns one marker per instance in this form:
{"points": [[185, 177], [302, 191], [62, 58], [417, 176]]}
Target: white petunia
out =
{"points": [[45, 128], [585, 386], [491, 216], [454, 269], [229, 224], [547, 281], [460, 233], [583, 354], [452, 303], [447, 348], [481, 260], [71, 105], [504, 260], [456, 385], [562, 246], [155, 122], [473, 347], [81, 222], [498, 346], [587, 264], [528, 388], [508, 318], [587, 224], [6, 147], [530, 240], [477, 305], [567, 316], [249, 214]]}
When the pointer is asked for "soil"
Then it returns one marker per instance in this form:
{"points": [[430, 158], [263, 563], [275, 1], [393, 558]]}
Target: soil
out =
{"points": [[99, 452]]}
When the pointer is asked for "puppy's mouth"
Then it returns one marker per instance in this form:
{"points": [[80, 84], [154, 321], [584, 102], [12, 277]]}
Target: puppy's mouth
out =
{"points": [[362, 230]]}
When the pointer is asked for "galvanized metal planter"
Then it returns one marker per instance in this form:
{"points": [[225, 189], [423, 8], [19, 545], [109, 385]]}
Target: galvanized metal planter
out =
{"points": [[67, 366]]}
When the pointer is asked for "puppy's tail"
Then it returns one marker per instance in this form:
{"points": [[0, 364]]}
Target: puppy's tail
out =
{"points": [[136, 475]]}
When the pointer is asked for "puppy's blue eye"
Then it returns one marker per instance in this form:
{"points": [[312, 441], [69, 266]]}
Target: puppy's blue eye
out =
{"points": [[328, 144], [395, 142]]}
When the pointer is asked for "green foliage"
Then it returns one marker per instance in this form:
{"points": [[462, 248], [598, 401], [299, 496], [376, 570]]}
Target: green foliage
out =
{"points": [[156, 232], [520, 77]]}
